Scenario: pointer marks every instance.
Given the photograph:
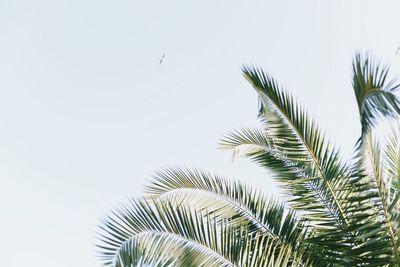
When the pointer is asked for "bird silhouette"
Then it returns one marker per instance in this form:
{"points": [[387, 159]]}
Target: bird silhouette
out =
{"points": [[162, 59]]}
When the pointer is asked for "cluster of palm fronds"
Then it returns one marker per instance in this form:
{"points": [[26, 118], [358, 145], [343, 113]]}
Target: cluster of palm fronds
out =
{"points": [[336, 214]]}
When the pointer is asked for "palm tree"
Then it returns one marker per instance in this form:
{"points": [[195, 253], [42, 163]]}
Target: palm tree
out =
{"points": [[335, 213]]}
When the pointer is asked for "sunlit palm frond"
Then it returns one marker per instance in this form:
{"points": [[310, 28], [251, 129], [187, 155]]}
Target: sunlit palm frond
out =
{"points": [[160, 234], [144, 225], [227, 198], [167, 250]]}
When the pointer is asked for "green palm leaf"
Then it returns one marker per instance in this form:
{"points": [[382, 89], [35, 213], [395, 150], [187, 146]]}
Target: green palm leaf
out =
{"points": [[298, 140], [300, 186], [374, 93], [379, 170], [376, 99], [161, 234], [226, 198]]}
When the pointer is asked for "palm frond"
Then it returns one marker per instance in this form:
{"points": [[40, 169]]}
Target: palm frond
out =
{"points": [[139, 222], [168, 250], [374, 92], [376, 99], [299, 141], [391, 163], [291, 175], [226, 198], [371, 167], [161, 234]]}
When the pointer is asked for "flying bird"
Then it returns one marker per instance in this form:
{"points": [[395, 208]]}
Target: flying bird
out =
{"points": [[162, 59], [398, 49]]}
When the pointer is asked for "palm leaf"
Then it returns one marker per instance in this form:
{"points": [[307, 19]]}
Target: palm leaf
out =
{"points": [[380, 172], [299, 140], [374, 92], [298, 184], [376, 99], [161, 234], [227, 198]]}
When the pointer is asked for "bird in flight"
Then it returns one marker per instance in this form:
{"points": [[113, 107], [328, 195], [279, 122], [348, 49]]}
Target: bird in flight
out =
{"points": [[398, 49], [162, 59]]}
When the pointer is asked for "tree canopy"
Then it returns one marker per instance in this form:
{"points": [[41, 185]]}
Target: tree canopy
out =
{"points": [[335, 213]]}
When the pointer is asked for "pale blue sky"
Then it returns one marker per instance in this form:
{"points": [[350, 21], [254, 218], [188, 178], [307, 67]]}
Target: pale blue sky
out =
{"points": [[86, 112]]}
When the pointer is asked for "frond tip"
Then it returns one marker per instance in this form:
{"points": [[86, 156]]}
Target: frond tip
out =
{"points": [[374, 92]]}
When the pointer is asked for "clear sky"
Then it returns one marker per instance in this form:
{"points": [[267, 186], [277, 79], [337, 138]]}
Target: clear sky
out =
{"points": [[87, 113]]}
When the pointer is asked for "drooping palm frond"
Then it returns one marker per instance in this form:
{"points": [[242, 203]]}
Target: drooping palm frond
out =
{"points": [[143, 224], [374, 92], [226, 198], [161, 234], [247, 250]]}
